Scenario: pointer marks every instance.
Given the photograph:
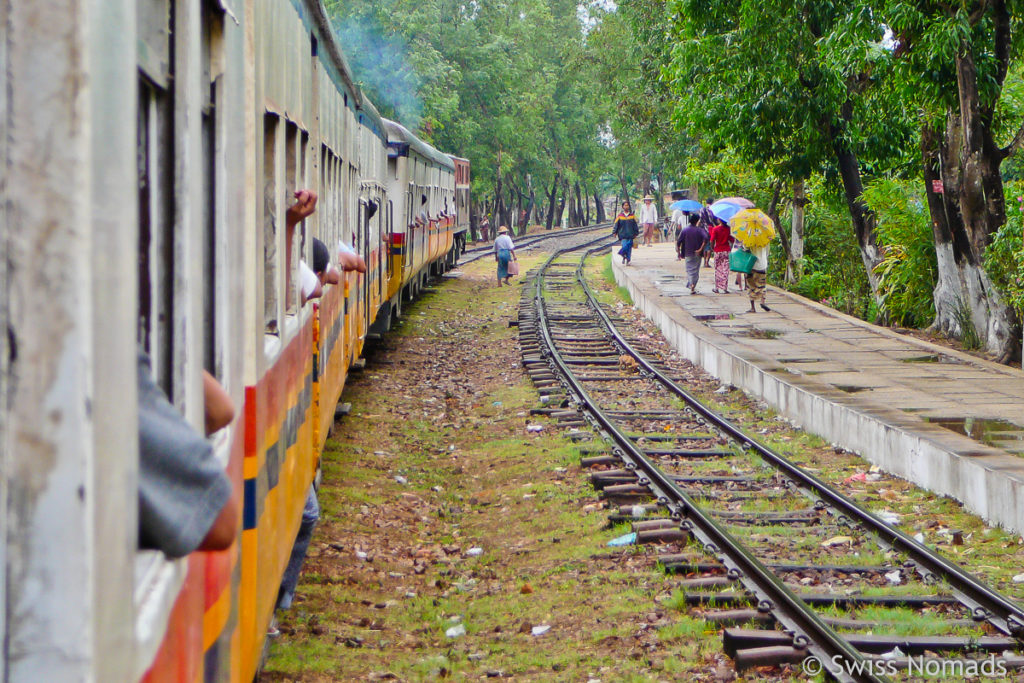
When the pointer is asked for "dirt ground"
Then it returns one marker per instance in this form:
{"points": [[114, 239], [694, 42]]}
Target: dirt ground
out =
{"points": [[456, 542]]}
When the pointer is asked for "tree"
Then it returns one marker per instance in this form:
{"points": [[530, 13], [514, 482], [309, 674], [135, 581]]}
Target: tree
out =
{"points": [[955, 60]]}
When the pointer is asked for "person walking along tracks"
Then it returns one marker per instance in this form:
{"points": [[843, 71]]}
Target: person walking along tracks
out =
{"points": [[626, 229], [758, 278], [690, 244], [721, 241], [648, 219], [504, 252]]}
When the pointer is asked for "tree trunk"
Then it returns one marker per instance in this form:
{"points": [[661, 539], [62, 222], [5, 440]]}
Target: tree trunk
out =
{"points": [[863, 218], [625, 190], [796, 249], [531, 201], [963, 295], [660, 197], [586, 205], [579, 204], [561, 203], [551, 202], [599, 208], [773, 213]]}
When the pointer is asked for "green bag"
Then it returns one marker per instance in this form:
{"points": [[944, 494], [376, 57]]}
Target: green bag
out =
{"points": [[742, 261]]}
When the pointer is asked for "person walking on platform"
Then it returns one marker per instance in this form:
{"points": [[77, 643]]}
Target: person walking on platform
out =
{"points": [[648, 219], [707, 220], [626, 229], [721, 241], [690, 244], [504, 253], [758, 278]]}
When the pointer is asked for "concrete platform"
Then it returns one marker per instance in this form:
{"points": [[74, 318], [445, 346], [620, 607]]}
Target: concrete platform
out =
{"points": [[915, 409]]}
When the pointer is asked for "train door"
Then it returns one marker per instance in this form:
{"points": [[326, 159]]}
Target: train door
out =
{"points": [[385, 247], [365, 248]]}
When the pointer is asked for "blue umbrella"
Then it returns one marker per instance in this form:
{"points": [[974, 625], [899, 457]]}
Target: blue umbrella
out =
{"points": [[725, 210], [687, 205]]}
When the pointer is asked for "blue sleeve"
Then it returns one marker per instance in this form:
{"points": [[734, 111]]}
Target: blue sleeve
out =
{"points": [[182, 487]]}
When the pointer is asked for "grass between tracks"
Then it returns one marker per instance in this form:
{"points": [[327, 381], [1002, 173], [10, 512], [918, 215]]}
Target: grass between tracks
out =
{"points": [[436, 460]]}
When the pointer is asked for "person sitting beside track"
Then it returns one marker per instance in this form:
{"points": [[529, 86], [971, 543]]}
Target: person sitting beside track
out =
{"points": [[186, 500]]}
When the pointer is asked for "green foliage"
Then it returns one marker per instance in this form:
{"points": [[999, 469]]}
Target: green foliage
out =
{"points": [[907, 273], [832, 269], [1004, 258], [968, 332]]}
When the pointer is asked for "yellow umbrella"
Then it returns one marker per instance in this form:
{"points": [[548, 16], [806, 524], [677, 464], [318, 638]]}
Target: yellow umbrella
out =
{"points": [[752, 227]]}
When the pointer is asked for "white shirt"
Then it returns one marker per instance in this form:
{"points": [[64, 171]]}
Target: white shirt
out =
{"points": [[678, 217], [648, 213], [503, 242], [308, 280], [762, 257]]}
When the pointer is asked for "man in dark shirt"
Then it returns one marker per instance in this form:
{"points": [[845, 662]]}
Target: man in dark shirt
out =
{"points": [[691, 241]]}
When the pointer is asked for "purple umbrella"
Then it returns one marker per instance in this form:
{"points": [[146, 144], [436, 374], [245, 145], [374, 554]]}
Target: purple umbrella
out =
{"points": [[741, 202], [725, 210]]}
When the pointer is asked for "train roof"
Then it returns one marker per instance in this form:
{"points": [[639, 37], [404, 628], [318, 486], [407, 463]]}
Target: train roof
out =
{"points": [[400, 140], [371, 118]]}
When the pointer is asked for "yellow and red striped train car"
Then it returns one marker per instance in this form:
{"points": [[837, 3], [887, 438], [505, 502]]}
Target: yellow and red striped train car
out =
{"points": [[145, 207]]}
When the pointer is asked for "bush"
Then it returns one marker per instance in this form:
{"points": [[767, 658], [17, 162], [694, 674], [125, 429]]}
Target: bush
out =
{"points": [[907, 273], [833, 272], [1004, 257]]}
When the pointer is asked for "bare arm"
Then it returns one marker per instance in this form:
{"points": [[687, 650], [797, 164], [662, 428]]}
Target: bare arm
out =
{"points": [[352, 261], [225, 528], [304, 206], [217, 404]]}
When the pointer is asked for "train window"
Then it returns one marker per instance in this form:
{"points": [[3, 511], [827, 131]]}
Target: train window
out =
{"points": [[156, 230], [390, 227], [270, 256], [291, 180], [211, 45]]}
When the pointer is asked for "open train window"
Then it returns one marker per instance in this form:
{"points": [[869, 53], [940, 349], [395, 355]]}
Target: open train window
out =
{"points": [[270, 221], [292, 241], [154, 152], [212, 33]]}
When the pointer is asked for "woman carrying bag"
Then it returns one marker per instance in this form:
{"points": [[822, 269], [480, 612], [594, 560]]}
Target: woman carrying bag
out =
{"points": [[505, 254]]}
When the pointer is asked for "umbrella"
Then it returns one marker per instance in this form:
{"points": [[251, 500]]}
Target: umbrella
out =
{"points": [[741, 202], [752, 227], [687, 205], [725, 210]]}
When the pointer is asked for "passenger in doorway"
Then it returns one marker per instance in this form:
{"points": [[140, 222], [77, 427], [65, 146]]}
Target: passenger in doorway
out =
{"points": [[648, 219], [758, 278], [504, 253], [186, 500], [690, 245], [626, 229]]}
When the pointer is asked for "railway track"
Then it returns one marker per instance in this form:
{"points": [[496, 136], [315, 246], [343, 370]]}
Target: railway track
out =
{"points": [[792, 570], [476, 253]]}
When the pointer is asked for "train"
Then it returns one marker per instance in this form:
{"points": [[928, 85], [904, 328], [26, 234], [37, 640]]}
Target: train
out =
{"points": [[150, 150]]}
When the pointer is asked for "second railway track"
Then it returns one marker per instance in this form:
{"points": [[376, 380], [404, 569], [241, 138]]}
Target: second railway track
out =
{"points": [[805, 574]]}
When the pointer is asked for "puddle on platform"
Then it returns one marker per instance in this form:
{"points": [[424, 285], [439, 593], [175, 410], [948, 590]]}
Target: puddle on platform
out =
{"points": [[932, 358], [850, 388], [996, 433], [714, 316], [757, 333]]}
